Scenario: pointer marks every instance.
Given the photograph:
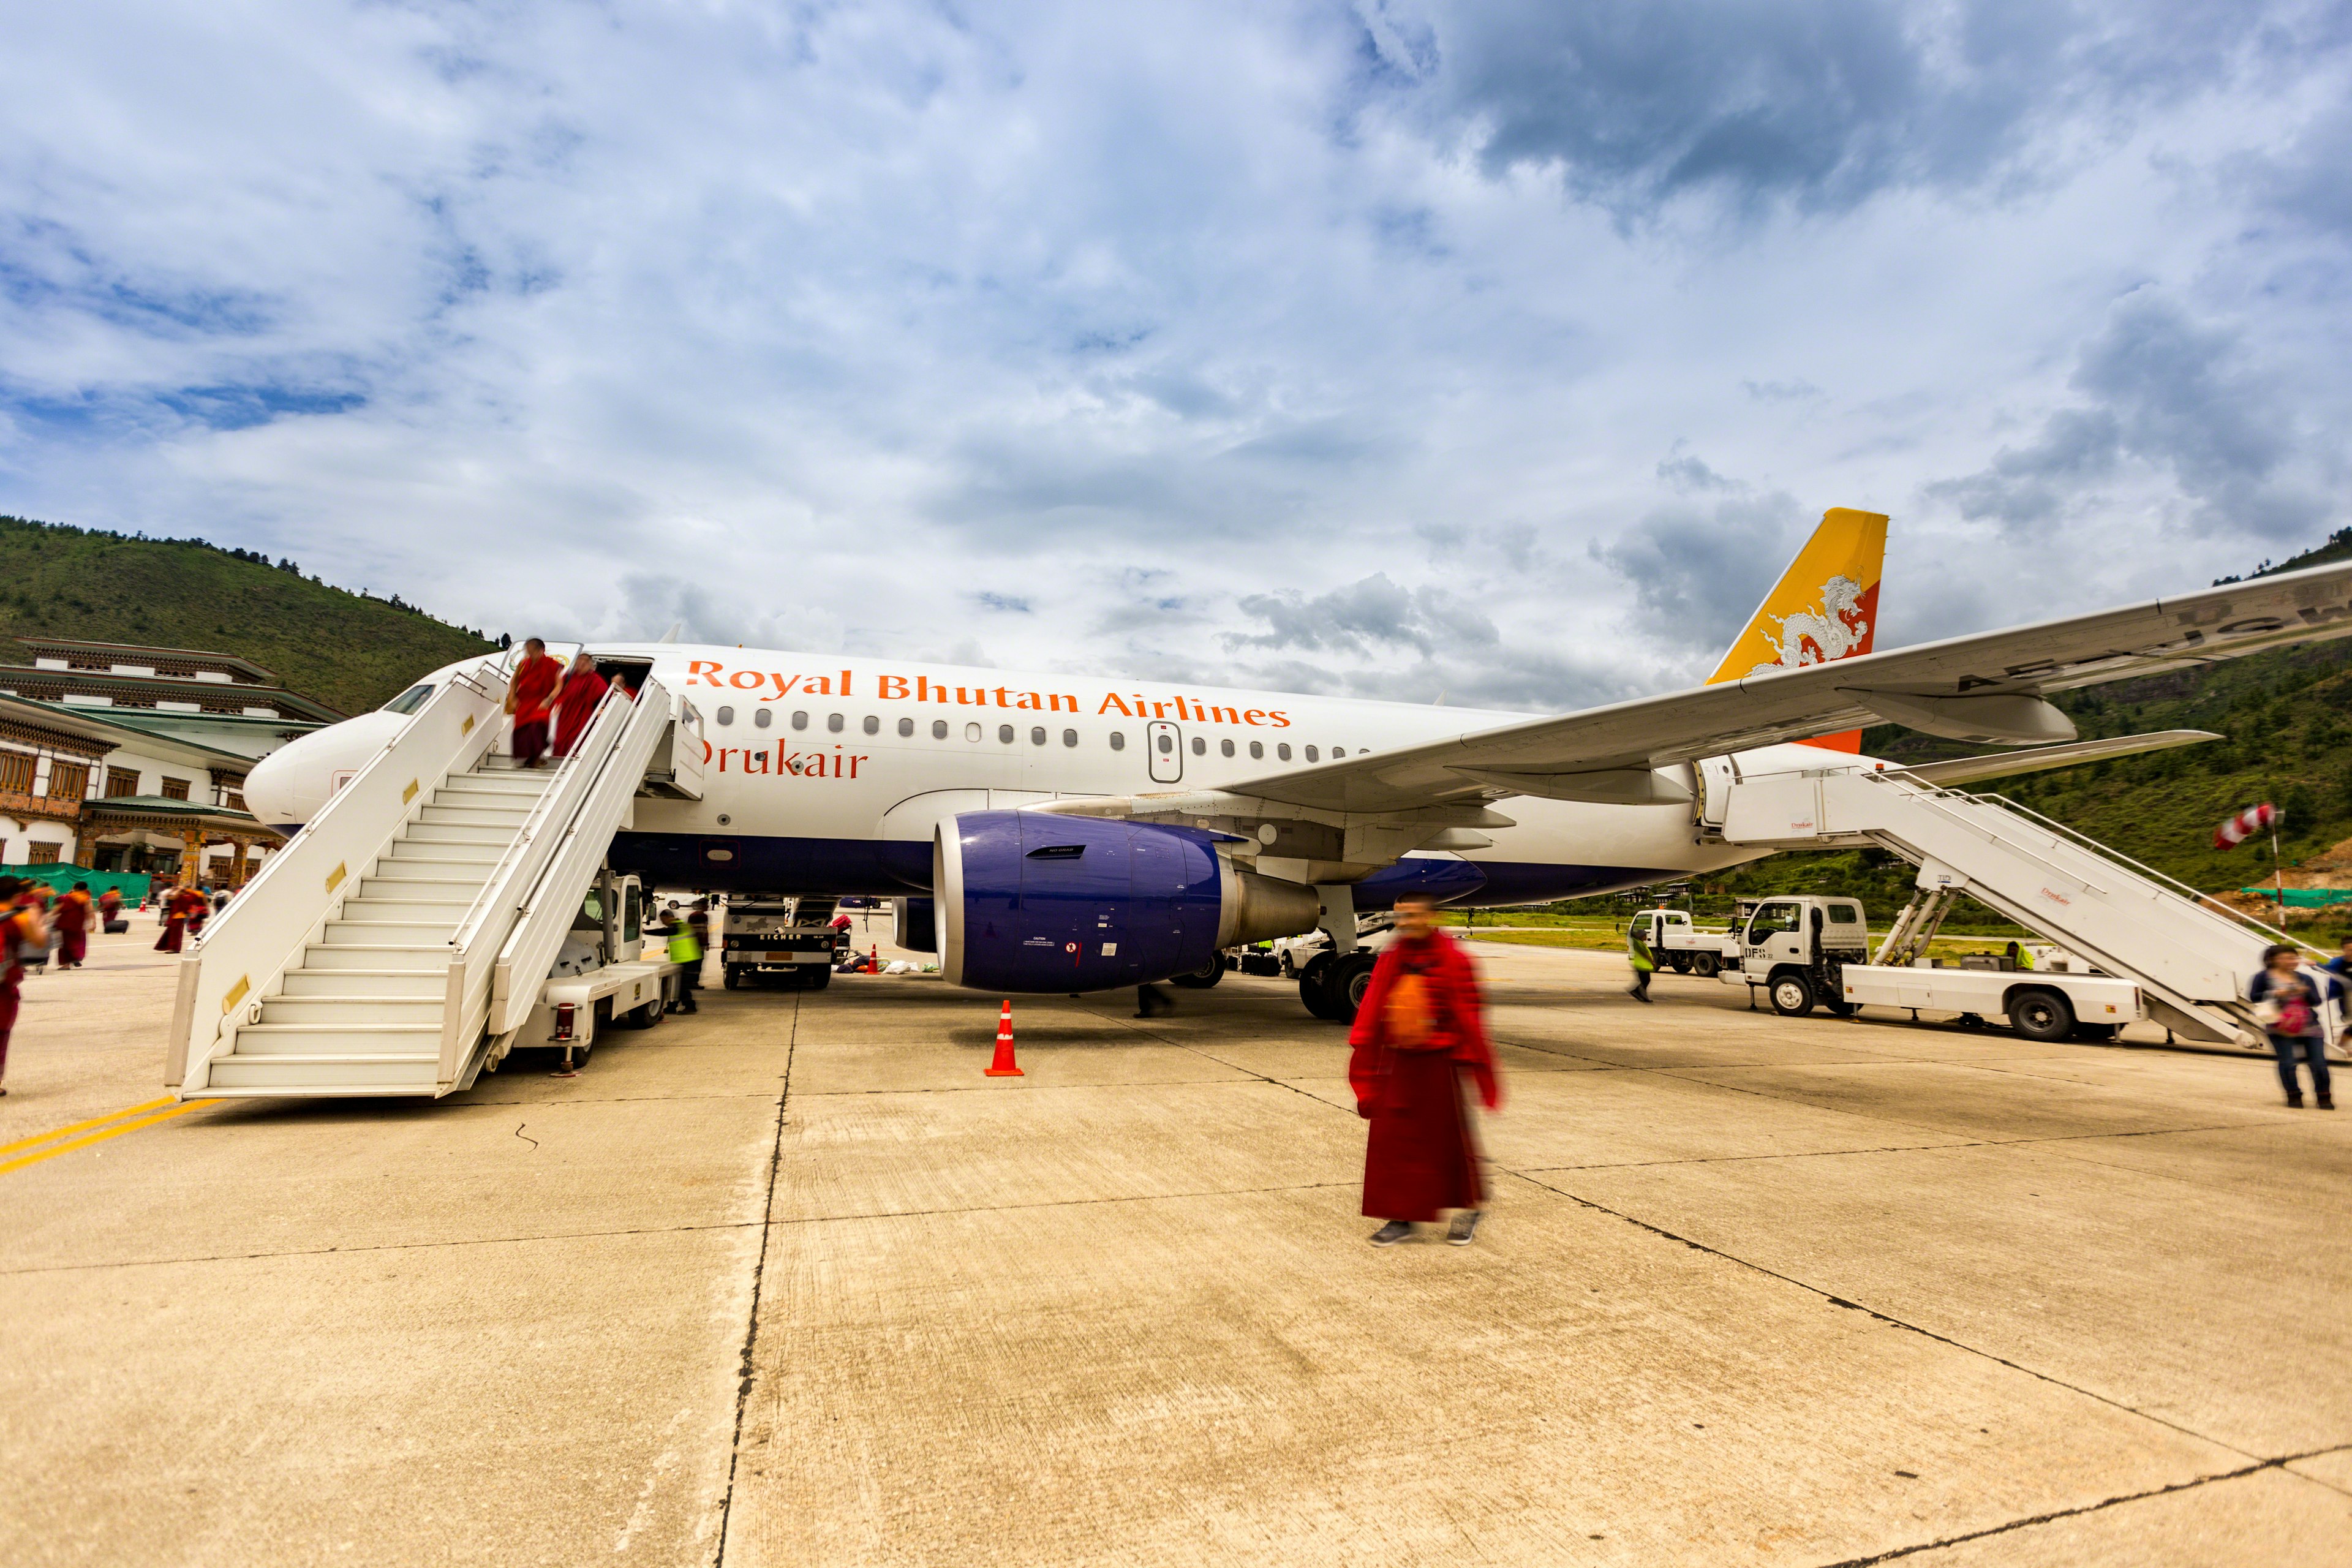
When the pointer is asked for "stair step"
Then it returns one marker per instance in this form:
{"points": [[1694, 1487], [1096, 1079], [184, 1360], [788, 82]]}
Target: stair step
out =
{"points": [[295, 1073], [336, 1039], [389, 933], [426, 911], [339, 1012], [468, 860], [432, 891], [474, 816], [455, 833], [402, 982], [414, 958], [483, 799], [511, 781]]}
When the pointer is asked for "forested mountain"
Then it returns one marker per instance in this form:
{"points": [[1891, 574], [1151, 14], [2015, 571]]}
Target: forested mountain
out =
{"points": [[347, 649]]}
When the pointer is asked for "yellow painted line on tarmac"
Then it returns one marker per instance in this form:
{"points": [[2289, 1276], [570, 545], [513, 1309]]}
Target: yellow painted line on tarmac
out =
{"points": [[120, 1127]]}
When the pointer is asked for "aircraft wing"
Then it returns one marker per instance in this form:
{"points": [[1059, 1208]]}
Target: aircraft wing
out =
{"points": [[1986, 687]]}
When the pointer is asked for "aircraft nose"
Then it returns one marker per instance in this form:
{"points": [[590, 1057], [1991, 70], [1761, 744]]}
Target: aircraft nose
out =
{"points": [[289, 786]]}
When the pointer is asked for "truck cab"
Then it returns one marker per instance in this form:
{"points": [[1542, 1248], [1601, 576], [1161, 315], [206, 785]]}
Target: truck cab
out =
{"points": [[1794, 947]]}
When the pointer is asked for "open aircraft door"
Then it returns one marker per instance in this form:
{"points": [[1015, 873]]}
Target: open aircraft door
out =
{"points": [[679, 756]]}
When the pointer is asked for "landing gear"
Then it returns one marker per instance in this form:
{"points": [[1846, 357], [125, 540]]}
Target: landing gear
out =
{"points": [[1202, 978], [1334, 984]]}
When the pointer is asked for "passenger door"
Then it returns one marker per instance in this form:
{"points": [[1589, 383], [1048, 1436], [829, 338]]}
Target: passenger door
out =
{"points": [[1166, 744]]}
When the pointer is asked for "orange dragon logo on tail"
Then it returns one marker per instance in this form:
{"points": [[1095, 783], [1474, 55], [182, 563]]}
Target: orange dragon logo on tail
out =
{"points": [[1825, 607]]}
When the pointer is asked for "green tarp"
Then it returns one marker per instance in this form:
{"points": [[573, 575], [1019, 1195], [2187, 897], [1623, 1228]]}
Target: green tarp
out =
{"points": [[2304, 898], [133, 885]]}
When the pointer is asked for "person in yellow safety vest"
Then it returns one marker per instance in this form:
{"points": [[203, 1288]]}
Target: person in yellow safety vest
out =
{"points": [[1646, 964]]}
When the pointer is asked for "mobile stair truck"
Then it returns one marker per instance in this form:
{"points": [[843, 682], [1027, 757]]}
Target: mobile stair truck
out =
{"points": [[410, 935], [1806, 951], [2125, 927]]}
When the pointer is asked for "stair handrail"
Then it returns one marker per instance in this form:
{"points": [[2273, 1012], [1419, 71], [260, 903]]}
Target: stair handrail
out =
{"points": [[2084, 842], [484, 927], [531, 947], [246, 950]]}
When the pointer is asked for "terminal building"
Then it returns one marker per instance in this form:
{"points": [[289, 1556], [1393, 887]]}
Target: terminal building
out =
{"points": [[124, 758]]}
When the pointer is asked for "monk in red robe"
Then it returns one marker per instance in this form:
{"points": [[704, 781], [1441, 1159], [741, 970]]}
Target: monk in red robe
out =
{"points": [[71, 920], [1420, 1031], [21, 936], [575, 704], [528, 697], [178, 910]]}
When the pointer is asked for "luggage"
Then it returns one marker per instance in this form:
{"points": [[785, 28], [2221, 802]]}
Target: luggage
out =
{"points": [[116, 928]]}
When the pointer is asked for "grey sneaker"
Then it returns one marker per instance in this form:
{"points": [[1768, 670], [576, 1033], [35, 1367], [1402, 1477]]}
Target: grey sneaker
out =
{"points": [[1396, 1230], [1465, 1227]]}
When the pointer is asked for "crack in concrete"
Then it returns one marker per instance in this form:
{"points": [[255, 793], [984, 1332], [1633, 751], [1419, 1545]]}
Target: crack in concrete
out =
{"points": [[744, 1375], [2190, 1485]]}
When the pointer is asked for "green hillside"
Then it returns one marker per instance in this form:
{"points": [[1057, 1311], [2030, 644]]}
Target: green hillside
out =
{"points": [[2287, 718], [350, 650]]}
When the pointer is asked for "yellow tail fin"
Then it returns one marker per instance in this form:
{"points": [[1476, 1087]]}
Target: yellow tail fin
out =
{"points": [[1825, 607]]}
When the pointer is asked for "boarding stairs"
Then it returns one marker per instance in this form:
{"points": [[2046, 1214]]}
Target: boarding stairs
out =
{"points": [[397, 944], [2190, 955]]}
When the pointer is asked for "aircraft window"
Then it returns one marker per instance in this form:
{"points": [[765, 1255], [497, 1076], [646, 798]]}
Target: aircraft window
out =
{"points": [[1037, 735], [1167, 744], [971, 731], [1281, 749], [938, 729], [800, 719], [873, 725], [1069, 737], [1338, 751], [762, 718], [1257, 750], [905, 727], [1118, 740], [832, 723], [410, 700], [1226, 747], [1311, 756], [1200, 747], [1005, 734], [725, 716]]}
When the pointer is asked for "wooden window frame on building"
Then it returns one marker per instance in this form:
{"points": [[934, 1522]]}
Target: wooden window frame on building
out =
{"points": [[174, 789], [68, 780], [39, 853], [17, 772], [121, 782]]}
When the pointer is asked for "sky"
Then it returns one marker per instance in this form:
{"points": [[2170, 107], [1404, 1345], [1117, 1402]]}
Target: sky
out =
{"points": [[1496, 354]]}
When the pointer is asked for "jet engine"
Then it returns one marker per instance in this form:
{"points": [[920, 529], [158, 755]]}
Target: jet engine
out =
{"points": [[1037, 902]]}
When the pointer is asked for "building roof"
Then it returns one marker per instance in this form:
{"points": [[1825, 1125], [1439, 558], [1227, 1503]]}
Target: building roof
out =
{"points": [[140, 653], [196, 813], [145, 690], [102, 726]]}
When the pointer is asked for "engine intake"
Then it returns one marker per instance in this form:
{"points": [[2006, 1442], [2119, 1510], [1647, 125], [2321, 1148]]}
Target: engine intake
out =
{"points": [[1029, 902]]}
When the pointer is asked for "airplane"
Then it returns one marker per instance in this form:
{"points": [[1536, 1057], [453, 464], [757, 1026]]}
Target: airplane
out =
{"points": [[1051, 833]]}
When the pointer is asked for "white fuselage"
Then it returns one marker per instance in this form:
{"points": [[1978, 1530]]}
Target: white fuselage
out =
{"points": [[832, 771]]}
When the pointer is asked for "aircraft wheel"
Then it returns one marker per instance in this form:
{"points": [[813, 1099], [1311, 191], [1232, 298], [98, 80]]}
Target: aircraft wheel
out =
{"points": [[2040, 1014], [1310, 986], [1792, 996], [1703, 964], [1202, 978], [1345, 985]]}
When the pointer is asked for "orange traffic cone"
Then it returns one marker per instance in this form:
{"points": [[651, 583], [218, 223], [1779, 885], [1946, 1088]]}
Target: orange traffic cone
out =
{"points": [[1003, 1066]]}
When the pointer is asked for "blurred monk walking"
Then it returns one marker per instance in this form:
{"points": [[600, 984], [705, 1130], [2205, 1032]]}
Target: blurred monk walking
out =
{"points": [[1420, 1029], [576, 703], [179, 908], [529, 696], [71, 920]]}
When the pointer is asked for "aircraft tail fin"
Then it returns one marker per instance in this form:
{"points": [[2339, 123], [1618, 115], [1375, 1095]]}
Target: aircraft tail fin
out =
{"points": [[1825, 607]]}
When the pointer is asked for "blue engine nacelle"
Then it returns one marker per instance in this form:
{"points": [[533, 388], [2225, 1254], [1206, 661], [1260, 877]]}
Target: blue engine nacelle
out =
{"points": [[1034, 902]]}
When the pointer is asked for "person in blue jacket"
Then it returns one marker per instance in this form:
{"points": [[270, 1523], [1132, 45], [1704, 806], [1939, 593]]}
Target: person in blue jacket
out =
{"points": [[2291, 1005]]}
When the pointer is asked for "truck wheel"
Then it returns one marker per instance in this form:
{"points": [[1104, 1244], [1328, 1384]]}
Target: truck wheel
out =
{"points": [[646, 1017], [1792, 995], [1703, 964], [2040, 1014], [816, 978], [733, 975], [1201, 979], [1681, 961]]}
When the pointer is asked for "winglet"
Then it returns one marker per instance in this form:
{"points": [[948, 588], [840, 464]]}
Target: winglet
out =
{"points": [[1825, 607]]}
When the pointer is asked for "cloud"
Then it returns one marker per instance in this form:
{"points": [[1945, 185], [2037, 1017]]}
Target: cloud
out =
{"points": [[1697, 573], [2166, 394]]}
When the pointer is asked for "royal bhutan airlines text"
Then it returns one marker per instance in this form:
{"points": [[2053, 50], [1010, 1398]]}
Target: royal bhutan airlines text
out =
{"points": [[774, 686]]}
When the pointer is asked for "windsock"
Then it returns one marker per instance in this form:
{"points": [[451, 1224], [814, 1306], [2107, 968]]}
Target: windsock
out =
{"points": [[2245, 824]]}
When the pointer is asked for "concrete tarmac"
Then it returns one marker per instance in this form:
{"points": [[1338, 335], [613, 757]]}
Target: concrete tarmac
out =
{"points": [[790, 1281]]}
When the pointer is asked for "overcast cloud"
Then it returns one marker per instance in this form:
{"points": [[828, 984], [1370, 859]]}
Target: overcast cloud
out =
{"points": [[1400, 349]]}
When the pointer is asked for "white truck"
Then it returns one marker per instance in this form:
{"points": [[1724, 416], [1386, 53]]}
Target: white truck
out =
{"points": [[602, 974], [787, 939], [1808, 952], [1682, 945]]}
